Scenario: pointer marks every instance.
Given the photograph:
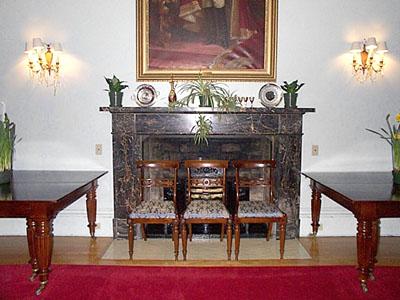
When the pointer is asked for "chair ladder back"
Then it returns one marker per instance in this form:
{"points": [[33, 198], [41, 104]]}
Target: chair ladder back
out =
{"points": [[205, 186], [148, 182], [265, 181]]}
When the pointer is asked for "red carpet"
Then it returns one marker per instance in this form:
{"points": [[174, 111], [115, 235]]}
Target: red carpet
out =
{"points": [[124, 282]]}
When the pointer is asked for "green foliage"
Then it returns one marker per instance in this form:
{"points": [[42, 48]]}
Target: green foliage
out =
{"points": [[393, 133], [203, 129], [392, 136], [210, 95], [114, 84], [7, 140], [291, 88]]}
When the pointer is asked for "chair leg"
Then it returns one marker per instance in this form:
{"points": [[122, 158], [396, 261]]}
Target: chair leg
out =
{"points": [[143, 229], [229, 238], [269, 231], [190, 232], [130, 238], [282, 236], [175, 237], [221, 238], [237, 239], [184, 239]]}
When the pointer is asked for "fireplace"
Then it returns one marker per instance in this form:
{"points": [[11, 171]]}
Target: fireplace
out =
{"points": [[252, 133]]}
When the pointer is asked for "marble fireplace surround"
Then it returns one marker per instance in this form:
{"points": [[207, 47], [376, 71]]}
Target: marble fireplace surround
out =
{"points": [[131, 126]]}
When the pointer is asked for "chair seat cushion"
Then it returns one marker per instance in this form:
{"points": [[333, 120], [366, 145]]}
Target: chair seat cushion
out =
{"points": [[153, 210], [258, 209], [206, 209]]}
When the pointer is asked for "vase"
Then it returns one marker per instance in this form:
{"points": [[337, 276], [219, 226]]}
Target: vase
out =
{"points": [[112, 98], [119, 98], [396, 192], [204, 101], [396, 160], [115, 98], [172, 96], [5, 191], [290, 100], [5, 176]]}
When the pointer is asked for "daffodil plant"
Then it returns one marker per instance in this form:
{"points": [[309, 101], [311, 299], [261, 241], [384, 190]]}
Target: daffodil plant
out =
{"points": [[392, 136], [7, 140]]}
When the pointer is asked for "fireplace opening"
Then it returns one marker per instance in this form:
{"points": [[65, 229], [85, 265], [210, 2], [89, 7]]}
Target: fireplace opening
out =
{"points": [[182, 148]]}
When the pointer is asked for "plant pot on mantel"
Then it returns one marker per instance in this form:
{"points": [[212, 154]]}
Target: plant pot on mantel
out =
{"points": [[204, 101], [115, 99], [290, 100]]}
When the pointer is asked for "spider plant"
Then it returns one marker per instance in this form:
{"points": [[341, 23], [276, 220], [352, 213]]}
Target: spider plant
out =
{"points": [[203, 129], [210, 95]]}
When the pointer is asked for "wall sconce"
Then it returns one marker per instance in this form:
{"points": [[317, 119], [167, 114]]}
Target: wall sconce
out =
{"points": [[368, 58], [44, 62]]}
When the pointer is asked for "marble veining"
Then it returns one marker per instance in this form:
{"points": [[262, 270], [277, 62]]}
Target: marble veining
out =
{"points": [[132, 125]]}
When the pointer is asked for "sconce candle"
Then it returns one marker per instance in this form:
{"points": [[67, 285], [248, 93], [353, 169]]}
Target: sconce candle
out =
{"points": [[44, 62], [368, 58]]}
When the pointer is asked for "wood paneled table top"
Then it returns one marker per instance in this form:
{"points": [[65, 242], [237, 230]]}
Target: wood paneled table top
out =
{"points": [[39, 196], [369, 196]]}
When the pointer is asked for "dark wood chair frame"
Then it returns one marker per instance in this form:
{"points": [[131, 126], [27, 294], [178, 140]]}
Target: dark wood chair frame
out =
{"points": [[164, 183], [225, 222], [266, 181]]}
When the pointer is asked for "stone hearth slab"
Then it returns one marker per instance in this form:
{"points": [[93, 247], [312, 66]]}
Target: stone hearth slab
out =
{"points": [[205, 249]]}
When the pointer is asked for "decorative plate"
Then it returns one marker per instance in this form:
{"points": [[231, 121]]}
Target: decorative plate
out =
{"points": [[145, 95], [270, 94]]}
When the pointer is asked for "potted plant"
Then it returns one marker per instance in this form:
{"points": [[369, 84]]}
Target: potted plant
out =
{"points": [[290, 95], [115, 87], [7, 141], [392, 136], [209, 94]]}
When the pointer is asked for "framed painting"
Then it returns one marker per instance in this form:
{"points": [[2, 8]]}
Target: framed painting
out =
{"points": [[227, 40]]}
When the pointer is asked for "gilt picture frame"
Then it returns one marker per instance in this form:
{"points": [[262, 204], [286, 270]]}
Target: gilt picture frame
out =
{"points": [[224, 40]]}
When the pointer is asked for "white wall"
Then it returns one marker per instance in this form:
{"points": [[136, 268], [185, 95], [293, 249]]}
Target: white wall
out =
{"points": [[60, 132]]}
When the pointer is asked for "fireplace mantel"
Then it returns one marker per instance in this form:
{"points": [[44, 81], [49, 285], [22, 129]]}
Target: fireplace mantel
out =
{"points": [[132, 125]]}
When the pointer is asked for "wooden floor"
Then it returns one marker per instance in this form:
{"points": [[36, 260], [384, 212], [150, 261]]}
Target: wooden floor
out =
{"points": [[83, 250]]}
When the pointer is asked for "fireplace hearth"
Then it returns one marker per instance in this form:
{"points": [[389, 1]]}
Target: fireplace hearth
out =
{"points": [[250, 133]]}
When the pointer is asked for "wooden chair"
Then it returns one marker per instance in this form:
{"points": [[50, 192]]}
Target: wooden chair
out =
{"points": [[258, 177], [155, 177], [206, 198]]}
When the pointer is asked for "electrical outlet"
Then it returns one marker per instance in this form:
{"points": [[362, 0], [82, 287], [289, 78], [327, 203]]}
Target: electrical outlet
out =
{"points": [[314, 150], [99, 149]]}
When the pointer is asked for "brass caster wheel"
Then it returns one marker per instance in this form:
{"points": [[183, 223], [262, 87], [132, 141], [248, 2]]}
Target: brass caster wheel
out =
{"points": [[371, 276], [364, 287], [41, 288], [35, 273]]}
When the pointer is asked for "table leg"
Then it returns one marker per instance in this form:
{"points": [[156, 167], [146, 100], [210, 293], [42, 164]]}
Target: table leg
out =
{"points": [[375, 243], [30, 234], [43, 241], [91, 204], [315, 209], [365, 250]]}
